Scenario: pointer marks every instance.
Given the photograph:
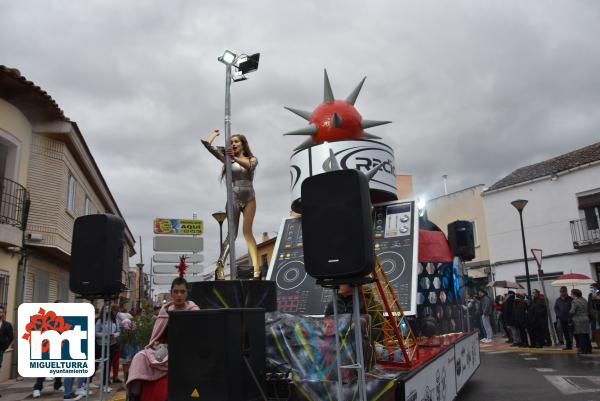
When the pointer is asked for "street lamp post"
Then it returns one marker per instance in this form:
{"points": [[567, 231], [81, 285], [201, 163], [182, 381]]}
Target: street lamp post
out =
{"points": [[520, 204], [220, 217], [140, 267]]}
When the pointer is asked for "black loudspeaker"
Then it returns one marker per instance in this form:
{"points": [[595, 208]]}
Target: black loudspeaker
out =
{"points": [[207, 352], [337, 228], [234, 294], [461, 239], [97, 255]]}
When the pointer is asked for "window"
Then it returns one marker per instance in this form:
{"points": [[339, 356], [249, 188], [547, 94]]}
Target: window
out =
{"points": [[41, 279], [88, 206], [3, 287], [63, 291], [590, 206], [475, 235], [71, 194]]}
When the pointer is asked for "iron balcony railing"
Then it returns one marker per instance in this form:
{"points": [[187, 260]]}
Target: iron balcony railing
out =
{"points": [[14, 203], [584, 236]]}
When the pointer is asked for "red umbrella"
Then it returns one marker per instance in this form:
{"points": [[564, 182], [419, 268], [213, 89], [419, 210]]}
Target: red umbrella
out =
{"points": [[572, 279]]}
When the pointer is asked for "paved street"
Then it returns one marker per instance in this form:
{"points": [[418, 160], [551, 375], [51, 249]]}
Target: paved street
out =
{"points": [[506, 374], [12, 390], [520, 375]]}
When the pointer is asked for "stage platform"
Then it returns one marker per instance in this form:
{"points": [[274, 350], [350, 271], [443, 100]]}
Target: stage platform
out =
{"points": [[301, 357], [301, 345]]}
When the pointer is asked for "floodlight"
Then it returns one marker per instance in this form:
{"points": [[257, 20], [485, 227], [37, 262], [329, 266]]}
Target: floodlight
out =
{"points": [[227, 57], [249, 64], [238, 76], [421, 205]]}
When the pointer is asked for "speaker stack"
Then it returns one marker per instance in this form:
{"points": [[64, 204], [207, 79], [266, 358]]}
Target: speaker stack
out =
{"points": [[217, 354], [336, 225], [461, 239], [97, 256]]}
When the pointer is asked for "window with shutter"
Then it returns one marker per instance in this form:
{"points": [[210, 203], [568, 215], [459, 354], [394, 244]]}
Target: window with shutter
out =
{"points": [[40, 286]]}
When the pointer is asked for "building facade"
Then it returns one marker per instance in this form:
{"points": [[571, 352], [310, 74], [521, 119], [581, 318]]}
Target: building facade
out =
{"points": [[561, 217], [465, 204], [49, 178]]}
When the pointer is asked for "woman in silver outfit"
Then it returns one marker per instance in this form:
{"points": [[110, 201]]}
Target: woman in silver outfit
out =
{"points": [[242, 170]]}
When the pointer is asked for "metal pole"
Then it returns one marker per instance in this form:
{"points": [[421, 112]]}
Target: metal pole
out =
{"points": [[525, 255], [221, 235], [337, 345], [362, 390], [20, 297], [228, 177], [105, 346], [150, 282]]}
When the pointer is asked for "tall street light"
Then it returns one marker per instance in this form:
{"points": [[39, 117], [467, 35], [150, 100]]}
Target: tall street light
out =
{"points": [[140, 267], [243, 64], [520, 204], [220, 217]]}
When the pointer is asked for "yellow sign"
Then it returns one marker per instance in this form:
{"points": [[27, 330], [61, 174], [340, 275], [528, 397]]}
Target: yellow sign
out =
{"points": [[195, 394], [178, 226]]}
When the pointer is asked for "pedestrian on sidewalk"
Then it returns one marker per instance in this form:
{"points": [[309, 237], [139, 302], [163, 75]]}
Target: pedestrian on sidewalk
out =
{"points": [[80, 391], [116, 352], [594, 306], [562, 307], [581, 322], [6, 334], [39, 385], [474, 310], [508, 317], [538, 319], [113, 332], [498, 319], [521, 320], [486, 315]]}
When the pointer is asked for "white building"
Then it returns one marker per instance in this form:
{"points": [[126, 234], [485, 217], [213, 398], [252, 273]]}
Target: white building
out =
{"points": [[562, 218]]}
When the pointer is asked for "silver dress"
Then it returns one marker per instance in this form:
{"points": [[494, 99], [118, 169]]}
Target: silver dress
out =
{"points": [[242, 190]]}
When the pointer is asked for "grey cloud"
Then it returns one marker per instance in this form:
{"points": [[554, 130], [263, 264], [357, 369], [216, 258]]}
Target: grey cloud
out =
{"points": [[474, 89]]}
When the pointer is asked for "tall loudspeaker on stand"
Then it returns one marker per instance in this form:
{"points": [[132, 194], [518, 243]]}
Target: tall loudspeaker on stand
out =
{"points": [[97, 255], [337, 228], [337, 232], [461, 239]]}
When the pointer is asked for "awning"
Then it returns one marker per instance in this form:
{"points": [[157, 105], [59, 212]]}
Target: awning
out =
{"points": [[433, 247]]}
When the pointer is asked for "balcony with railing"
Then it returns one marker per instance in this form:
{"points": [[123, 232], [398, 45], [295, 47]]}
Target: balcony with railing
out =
{"points": [[14, 208], [585, 234]]}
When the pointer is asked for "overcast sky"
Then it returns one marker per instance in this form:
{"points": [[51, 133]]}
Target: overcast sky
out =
{"points": [[475, 89]]}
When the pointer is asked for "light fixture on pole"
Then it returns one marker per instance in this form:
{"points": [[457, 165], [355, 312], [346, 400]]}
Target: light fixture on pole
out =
{"points": [[220, 217], [520, 204], [242, 64]]}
